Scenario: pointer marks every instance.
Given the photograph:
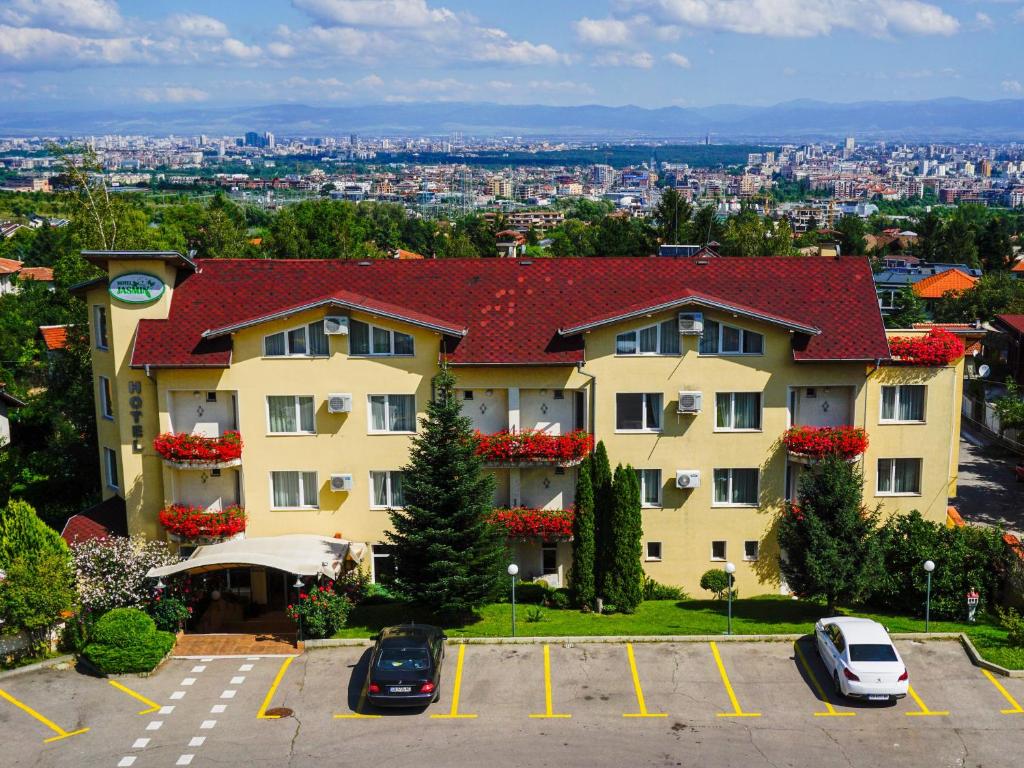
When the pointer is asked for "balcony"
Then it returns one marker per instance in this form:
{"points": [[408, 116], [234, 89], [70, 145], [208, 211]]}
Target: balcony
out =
{"points": [[531, 448], [184, 451], [524, 524], [807, 445], [188, 523]]}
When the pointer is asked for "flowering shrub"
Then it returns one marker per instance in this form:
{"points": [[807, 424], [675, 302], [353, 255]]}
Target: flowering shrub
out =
{"points": [[533, 445], [193, 522], [938, 347], [184, 448], [320, 612], [169, 613], [111, 572], [819, 442], [526, 524]]}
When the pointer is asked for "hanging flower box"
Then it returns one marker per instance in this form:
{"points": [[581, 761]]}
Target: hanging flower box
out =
{"points": [[187, 451], [533, 447], [937, 348], [524, 524], [818, 442], [191, 522]]}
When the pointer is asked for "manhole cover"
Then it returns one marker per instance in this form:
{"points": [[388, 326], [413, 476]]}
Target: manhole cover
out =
{"points": [[279, 712]]}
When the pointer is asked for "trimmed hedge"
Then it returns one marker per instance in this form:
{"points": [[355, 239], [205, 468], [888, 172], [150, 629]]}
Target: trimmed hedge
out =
{"points": [[127, 640]]}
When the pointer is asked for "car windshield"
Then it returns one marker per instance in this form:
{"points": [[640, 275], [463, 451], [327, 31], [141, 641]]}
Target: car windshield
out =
{"points": [[403, 658], [872, 652]]}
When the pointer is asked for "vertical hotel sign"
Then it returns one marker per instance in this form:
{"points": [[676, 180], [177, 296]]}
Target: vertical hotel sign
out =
{"points": [[135, 403]]}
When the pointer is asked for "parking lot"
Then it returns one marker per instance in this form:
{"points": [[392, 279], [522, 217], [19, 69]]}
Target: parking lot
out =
{"points": [[673, 704]]}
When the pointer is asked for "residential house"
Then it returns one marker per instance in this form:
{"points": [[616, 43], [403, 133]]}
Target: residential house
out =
{"points": [[7, 402]]}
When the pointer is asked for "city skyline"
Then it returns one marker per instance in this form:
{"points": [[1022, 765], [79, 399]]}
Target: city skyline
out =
{"points": [[75, 54]]}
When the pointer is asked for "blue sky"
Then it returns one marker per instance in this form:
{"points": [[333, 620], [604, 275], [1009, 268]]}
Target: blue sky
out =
{"points": [[106, 53]]}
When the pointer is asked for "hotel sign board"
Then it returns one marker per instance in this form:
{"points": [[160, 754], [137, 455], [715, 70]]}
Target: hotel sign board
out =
{"points": [[137, 288]]}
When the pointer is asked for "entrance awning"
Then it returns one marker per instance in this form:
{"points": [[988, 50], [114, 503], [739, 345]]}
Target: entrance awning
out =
{"points": [[298, 553]]}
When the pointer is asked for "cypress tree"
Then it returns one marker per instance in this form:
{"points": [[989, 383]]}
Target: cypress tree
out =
{"points": [[583, 545], [601, 480], [624, 577], [24, 534], [448, 557]]}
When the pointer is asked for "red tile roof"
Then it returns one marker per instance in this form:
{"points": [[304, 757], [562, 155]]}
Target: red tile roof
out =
{"points": [[9, 266], [106, 519], [950, 281], [42, 274], [54, 336], [514, 309], [1015, 322]]}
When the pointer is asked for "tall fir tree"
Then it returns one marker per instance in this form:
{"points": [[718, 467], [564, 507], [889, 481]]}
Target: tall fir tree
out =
{"points": [[601, 480], [447, 556], [583, 545], [624, 576], [24, 534]]}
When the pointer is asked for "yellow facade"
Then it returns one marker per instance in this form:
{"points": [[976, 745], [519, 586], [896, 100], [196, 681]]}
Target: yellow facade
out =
{"points": [[684, 522]]}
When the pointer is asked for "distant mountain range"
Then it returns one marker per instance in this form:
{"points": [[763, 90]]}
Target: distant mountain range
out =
{"points": [[951, 119]]}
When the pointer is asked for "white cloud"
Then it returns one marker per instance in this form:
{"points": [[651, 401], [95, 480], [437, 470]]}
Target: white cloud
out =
{"points": [[1012, 86], [516, 52], [611, 32], [171, 94], [343, 42], [375, 13], [639, 60], [678, 60], [197, 25], [982, 21], [281, 50], [239, 50], [82, 15], [35, 48]]}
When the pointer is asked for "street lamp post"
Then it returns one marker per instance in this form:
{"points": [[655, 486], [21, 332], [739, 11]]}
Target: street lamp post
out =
{"points": [[513, 569], [298, 586], [730, 569], [929, 566]]}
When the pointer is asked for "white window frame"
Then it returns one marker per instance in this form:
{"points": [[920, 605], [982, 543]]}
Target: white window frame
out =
{"points": [[391, 342], [757, 549], [316, 482], [288, 353], [742, 331], [110, 468], [892, 476], [730, 470], [387, 414], [648, 557], [636, 340], [102, 339], [892, 292], [387, 485], [374, 555], [644, 430], [725, 553], [106, 398], [732, 411], [298, 419], [643, 483], [899, 388]]}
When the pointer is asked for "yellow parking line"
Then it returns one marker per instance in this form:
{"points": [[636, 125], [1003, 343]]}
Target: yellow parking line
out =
{"points": [[262, 714], [548, 712], [360, 705], [737, 711], [924, 711], [640, 703], [1016, 708], [830, 710], [454, 714], [153, 706], [61, 733]]}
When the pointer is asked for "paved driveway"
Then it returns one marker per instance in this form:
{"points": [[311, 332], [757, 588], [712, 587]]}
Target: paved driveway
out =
{"points": [[596, 704], [987, 492]]}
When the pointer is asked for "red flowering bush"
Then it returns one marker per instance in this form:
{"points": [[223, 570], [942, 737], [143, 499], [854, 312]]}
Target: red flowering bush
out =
{"points": [[183, 448], [320, 612], [938, 347], [194, 522], [819, 442], [526, 524], [533, 445]]}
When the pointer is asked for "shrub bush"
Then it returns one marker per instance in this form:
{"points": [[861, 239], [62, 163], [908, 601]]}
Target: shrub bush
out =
{"points": [[1013, 623], [379, 594], [535, 614], [127, 640], [532, 593], [559, 599], [320, 612], [169, 613], [655, 591], [716, 581]]}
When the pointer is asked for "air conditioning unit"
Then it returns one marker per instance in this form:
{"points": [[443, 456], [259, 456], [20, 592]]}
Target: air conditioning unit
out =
{"points": [[690, 402], [336, 325], [339, 403], [691, 323], [341, 483], [687, 478]]}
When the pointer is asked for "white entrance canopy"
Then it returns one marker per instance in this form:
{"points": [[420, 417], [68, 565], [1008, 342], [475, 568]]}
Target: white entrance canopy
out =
{"points": [[299, 553]]}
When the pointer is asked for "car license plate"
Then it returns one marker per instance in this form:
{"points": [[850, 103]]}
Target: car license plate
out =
{"points": [[878, 697], [400, 689]]}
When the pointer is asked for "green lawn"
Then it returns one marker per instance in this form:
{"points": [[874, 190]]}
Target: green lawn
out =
{"points": [[751, 616]]}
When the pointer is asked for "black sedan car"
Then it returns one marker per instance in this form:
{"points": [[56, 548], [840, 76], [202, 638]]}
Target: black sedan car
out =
{"points": [[405, 666]]}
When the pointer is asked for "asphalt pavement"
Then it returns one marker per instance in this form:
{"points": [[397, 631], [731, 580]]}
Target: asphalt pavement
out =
{"points": [[987, 490]]}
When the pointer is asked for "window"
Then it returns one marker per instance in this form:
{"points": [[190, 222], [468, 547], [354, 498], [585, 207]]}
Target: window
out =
{"points": [[386, 488], [735, 411], [304, 341], [903, 403], [294, 490], [392, 413], [638, 412], [549, 559], [718, 550], [365, 339], [100, 322], [720, 339], [467, 394], [736, 487], [650, 487], [290, 414], [110, 467], [654, 550], [750, 550], [106, 399], [899, 477], [661, 339], [383, 564], [211, 397], [887, 299]]}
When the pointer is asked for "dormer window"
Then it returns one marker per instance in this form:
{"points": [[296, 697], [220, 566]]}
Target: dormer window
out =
{"points": [[304, 341], [373, 341], [721, 339], [660, 339]]}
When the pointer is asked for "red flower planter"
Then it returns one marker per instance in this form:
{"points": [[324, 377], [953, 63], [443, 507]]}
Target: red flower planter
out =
{"points": [[194, 522], [524, 524], [819, 442], [182, 448], [939, 347], [532, 445]]}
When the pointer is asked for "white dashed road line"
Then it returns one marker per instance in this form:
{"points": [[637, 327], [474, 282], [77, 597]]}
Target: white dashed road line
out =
{"points": [[124, 762], [216, 709], [189, 681], [207, 724], [198, 668], [238, 680], [228, 694], [177, 695], [166, 710], [197, 741], [185, 760], [140, 743], [246, 668], [154, 725]]}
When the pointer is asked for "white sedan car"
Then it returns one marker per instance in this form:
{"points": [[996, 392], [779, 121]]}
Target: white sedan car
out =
{"points": [[861, 659]]}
